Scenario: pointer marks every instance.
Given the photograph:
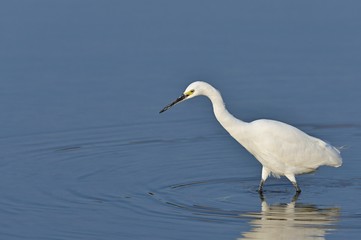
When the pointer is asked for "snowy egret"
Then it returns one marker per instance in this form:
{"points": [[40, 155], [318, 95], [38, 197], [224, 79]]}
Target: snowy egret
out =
{"points": [[282, 149]]}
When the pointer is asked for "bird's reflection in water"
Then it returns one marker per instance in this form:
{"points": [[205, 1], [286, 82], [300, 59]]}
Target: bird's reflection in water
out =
{"points": [[291, 221]]}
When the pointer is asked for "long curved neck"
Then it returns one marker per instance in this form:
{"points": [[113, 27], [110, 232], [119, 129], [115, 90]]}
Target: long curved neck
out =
{"points": [[227, 120]]}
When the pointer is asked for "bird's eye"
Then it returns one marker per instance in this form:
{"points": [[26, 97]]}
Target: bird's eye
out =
{"points": [[188, 93]]}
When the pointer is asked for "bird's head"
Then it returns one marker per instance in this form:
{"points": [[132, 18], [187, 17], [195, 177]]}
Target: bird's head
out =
{"points": [[193, 90]]}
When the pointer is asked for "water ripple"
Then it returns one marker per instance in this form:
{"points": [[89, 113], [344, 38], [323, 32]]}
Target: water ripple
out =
{"points": [[127, 173]]}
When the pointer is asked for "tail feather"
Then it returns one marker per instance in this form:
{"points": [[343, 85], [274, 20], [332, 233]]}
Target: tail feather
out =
{"points": [[334, 156]]}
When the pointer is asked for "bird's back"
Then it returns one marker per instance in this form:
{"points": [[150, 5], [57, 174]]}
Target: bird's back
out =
{"points": [[285, 149]]}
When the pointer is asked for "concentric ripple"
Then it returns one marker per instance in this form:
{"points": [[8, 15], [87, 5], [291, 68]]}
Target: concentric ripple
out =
{"points": [[231, 198], [85, 182]]}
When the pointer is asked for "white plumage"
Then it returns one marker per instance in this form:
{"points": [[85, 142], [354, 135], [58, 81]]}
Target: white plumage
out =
{"points": [[282, 149]]}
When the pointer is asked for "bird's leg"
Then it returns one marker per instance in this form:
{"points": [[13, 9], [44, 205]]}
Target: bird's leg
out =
{"points": [[298, 189], [260, 188], [292, 178], [295, 197], [265, 174], [261, 196]]}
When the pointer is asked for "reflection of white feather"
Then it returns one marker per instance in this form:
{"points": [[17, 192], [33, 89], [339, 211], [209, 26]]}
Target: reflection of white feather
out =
{"points": [[291, 221]]}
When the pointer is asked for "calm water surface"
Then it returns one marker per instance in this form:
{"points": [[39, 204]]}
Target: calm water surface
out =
{"points": [[85, 154]]}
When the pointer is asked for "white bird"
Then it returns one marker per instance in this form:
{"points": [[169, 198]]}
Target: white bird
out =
{"points": [[282, 149]]}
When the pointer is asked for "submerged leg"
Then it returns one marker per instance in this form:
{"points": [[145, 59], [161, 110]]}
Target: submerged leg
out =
{"points": [[260, 188], [295, 197], [265, 174], [292, 178], [298, 189]]}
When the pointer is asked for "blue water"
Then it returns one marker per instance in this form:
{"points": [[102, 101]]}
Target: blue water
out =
{"points": [[85, 154]]}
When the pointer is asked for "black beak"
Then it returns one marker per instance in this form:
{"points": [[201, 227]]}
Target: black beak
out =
{"points": [[182, 97]]}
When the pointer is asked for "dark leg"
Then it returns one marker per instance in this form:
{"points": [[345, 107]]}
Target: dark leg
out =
{"points": [[298, 189], [261, 196], [260, 188], [265, 174], [295, 197]]}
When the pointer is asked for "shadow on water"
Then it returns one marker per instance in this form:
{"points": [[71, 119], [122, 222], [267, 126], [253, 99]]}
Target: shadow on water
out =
{"points": [[291, 221]]}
